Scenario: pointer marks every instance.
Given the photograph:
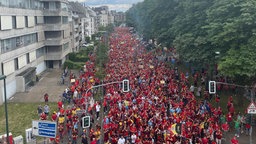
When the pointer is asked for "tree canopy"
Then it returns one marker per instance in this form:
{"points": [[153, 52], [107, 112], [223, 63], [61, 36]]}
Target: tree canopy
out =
{"points": [[199, 28]]}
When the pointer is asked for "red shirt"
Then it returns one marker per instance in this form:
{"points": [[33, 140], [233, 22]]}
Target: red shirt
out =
{"points": [[43, 116], [60, 104], [204, 140], [232, 109], [54, 117], [234, 141], [225, 127], [219, 135], [229, 117], [46, 97], [247, 126], [94, 142], [68, 125]]}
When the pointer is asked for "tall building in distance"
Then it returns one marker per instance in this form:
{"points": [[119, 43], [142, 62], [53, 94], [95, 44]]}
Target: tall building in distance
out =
{"points": [[90, 25], [104, 17], [119, 17], [78, 13]]}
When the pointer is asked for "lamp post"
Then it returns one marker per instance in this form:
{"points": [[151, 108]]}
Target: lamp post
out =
{"points": [[216, 56], [3, 77], [124, 89]]}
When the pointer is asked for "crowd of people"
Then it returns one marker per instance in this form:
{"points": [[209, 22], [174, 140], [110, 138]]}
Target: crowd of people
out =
{"points": [[159, 108]]}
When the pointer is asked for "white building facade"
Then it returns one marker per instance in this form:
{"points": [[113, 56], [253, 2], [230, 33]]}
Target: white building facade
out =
{"points": [[34, 36]]}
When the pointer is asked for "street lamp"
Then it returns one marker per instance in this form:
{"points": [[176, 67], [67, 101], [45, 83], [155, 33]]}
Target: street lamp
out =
{"points": [[125, 88], [3, 77]]}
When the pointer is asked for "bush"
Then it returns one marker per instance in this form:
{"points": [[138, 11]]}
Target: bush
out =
{"points": [[73, 65], [78, 57]]}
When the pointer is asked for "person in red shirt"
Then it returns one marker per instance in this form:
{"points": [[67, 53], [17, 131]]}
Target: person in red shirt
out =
{"points": [[69, 128], [43, 116], [205, 140], [74, 137], [94, 141], [234, 140], [105, 105], [247, 126], [229, 118], [46, 98], [61, 130], [54, 116], [218, 136], [57, 139], [232, 109], [60, 104], [138, 140]]}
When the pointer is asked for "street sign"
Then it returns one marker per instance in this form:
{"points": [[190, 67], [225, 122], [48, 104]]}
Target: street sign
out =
{"points": [[44, 128], [251, 109]]}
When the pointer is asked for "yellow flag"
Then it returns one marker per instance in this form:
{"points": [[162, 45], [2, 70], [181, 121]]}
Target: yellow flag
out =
{"points": [[173, 129]]}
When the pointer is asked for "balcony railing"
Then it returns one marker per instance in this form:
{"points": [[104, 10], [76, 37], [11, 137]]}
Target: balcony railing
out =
{"points": [[53, 56], [54, 12], [57, 27], [52, 42]]}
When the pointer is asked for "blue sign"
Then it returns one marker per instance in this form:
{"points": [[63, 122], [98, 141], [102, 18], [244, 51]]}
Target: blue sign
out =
{"points": [[46, 133], [44, 128]]}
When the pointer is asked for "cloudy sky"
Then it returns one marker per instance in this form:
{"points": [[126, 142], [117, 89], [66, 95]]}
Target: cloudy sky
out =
{"points": [[119, 5]]}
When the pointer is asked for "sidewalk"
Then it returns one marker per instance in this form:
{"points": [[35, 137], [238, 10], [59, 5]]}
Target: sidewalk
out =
{"points": [[47, 84]]}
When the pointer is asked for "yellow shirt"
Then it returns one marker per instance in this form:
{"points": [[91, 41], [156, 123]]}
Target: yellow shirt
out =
{"points": [[61, 119]]}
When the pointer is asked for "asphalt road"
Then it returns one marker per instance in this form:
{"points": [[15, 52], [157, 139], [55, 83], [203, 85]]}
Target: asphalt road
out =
{"points": [[49, 84]]}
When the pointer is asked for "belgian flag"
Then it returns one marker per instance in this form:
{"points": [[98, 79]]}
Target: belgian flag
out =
{"points": [[176, 128]]}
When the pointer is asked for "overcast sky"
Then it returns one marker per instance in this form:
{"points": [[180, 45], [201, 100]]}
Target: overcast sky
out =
{"points": [[119, 5]]}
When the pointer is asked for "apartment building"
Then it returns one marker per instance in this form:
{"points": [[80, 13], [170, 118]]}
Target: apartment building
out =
{"points": [[90, 24], [34, 36], [104, 17], [77, 14], [119, 17]]}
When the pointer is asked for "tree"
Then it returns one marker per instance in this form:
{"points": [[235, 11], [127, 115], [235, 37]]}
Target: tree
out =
{"points": [[199, 28]]}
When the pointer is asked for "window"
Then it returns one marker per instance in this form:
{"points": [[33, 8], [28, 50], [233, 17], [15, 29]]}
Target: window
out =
{"points": [[52, 5], [27, 56], [64, 20], [14, 22], [26, 21], [17, 42], [65, 46], [64, 7], [16, 64], [40, 20], [40, 52], [35, 20]]}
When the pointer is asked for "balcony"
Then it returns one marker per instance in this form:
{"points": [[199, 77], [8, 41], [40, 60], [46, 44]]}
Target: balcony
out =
{"points": [[56, 12], [75, 16], [53, 56], [77, 44], [76, 26], [55, 27], [53, 42], [76, 35]]}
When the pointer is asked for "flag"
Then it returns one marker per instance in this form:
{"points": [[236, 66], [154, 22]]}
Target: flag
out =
{"points": [[173, 129]]}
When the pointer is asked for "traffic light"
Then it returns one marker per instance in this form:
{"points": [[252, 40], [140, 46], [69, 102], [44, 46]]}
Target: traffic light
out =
{"points": [[212, 87], [86, 121], [125, 85], [178, 128]]}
